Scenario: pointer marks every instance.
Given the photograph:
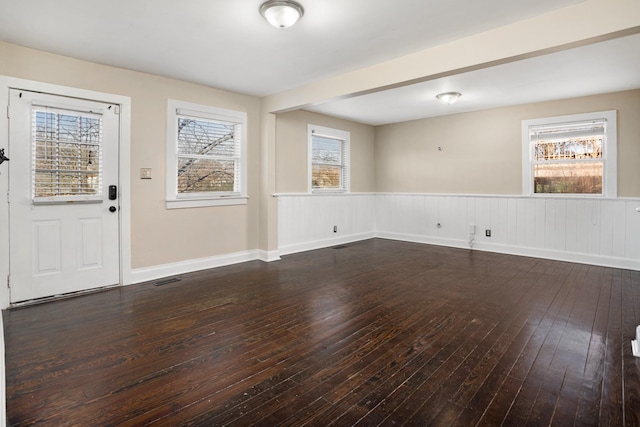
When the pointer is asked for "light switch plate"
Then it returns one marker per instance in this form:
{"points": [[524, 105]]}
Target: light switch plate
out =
{"points": [[145, 173]]}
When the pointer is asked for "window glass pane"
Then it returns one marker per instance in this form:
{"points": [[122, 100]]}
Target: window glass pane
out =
{"points": [[206, 175], [572, 178], [324, 176], [574, 154], [576, 148], [66, 154], [326, 150], [206, 151], [207, 138]]}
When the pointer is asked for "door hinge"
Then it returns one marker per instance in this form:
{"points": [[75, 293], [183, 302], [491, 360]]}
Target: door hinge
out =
{"points": [[8, 111], [116, 110], [8, 281]]}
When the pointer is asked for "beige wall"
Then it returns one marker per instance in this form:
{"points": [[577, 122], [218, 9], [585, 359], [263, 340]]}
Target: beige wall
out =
{"points": [[481, 151], [159, 236], [291, 151]]}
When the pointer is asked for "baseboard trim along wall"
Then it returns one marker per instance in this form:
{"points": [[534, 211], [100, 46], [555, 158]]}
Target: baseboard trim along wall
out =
{"points": [[325, 243], [520, 251], [268, 256], [146, 274], [3, 381]]}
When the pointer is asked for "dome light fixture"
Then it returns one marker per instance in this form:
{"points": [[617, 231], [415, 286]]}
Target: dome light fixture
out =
{"points": [[448, 97], [281, 13]]}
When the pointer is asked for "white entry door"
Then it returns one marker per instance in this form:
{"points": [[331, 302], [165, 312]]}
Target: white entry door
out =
{"points": [[63, 207]]}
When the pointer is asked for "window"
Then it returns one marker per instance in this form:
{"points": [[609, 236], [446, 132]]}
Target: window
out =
{"points": [[206, 152], [570, 155], [328, 159], [67, 155]]}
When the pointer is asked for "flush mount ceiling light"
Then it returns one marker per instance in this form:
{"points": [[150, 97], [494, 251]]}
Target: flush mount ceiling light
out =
{"points": [[449, 97], [281, 13]]}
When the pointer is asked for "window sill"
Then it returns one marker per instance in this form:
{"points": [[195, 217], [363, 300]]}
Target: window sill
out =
{"points": [[570, 195], [320, 192], [202, 203]]}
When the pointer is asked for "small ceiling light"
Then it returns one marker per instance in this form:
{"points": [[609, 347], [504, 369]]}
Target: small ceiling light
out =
{"points": [[449, 97], [281, 13]]}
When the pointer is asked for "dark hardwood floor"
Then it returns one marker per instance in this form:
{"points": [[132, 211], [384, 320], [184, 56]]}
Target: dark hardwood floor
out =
{"points": [[375, 333]]}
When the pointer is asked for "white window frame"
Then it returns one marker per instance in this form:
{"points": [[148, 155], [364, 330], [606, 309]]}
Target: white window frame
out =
{"points": [[176, 200], [609, 153], [343, 135]]}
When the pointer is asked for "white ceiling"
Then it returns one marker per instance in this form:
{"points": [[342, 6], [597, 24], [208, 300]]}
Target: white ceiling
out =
{"points": [[227, 44], [609, 66]]}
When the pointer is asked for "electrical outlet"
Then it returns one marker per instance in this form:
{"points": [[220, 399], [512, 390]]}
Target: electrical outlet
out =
{"points": [[335, 228], [487, 233]]}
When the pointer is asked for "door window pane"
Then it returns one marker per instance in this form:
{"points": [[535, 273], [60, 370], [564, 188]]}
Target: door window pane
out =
{"points": [[66, 154]]}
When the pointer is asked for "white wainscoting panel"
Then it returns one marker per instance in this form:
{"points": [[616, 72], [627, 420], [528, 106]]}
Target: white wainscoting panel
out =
{"points": [[597, 231], [306, 221], [588, 230]]}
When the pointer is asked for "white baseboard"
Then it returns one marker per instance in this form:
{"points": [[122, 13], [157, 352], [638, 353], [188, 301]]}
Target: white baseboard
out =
{"points": [[325, 243], [145, 274], [3, 381], [427, 240], [580, 258], [268, 256], [601, 260]]}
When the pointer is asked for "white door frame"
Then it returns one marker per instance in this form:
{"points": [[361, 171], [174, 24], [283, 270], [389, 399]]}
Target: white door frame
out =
{"points": [[124, 173]]}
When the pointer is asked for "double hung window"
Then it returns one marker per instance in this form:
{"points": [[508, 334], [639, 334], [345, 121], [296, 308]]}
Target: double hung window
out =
{"points": [[570, 155], [329, 151], [206, 156]]}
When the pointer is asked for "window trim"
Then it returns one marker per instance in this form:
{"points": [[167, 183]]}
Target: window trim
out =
{"points": [[335, 134], [174, 200], [609, 157]]}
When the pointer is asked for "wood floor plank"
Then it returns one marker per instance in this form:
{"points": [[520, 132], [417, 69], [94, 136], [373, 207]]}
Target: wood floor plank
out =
{"points": [[378, 332], [462, 384], [327, 357], [499, 389], [335, 381], [589, 402], [611, 400], [349, 408], [390, 394], [630, 364], [211, 389], [410, 409]]}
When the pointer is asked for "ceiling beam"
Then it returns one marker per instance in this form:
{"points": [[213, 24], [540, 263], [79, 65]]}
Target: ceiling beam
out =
{"points": [[576, 25]]}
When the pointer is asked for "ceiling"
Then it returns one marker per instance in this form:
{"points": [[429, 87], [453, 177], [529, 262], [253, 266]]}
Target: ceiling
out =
{"points": [[227, 44], [604, 67]]}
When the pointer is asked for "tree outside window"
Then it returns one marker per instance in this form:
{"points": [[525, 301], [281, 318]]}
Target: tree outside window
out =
{"points": [[206, 156]]}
